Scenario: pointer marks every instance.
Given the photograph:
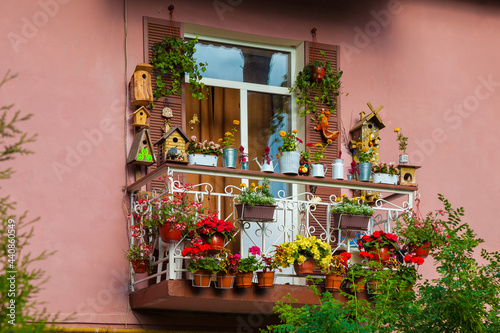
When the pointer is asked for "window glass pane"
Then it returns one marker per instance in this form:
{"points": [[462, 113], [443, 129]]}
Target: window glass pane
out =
{"points": [[244, 64]]}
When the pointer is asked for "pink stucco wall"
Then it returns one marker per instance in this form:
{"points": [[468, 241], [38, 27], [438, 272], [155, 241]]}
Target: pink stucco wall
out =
{"points": [[434, 66]]}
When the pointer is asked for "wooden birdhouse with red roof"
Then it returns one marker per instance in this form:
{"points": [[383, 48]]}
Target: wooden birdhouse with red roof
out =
{"points": [[366, 133], [172, 146], [142, 151], [140, 116], [141, 93]]}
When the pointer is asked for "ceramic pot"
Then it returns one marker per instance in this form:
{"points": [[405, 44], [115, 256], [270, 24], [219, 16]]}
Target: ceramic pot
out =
{"points": [[244, 279], [306, 268], [421, 251], [333, 282], [265, 279], [170, 234], [202, 279], [290, 162], [203, 159]]}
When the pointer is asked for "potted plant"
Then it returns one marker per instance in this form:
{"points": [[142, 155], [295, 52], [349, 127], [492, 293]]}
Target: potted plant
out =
{"points": [[172, 58], [228, 267], [403, 143], [355, 277], [336, 270], [247, 266], [203, 153], [305, 161], [364, 163], [212, 230], [269, 264], [243, 158], [353, 170], [385, 173], [420, 235], [256, 203], [312, 90], [289, 157], [304, 254], [268, 165], [229, 153], [380, 244], [201, 264], [352, 213], [139, 256], [319, 170]]}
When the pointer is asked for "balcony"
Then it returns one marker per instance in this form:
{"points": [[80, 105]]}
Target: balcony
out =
{"points": [[170, 285]]}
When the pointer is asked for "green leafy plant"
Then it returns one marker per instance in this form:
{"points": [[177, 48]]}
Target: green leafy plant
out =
{"points": [[365, 155], [228, 140], [310, 92], [205, 147], [382, 167], [200, 259], [172, 58], [319, 153], [338, 265], [290, 141], [303, 248], [250, 263], [354, 206], [403, 140], [414, 230], [256, 195]]}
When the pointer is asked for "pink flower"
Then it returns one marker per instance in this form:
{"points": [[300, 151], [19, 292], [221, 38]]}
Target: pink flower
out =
{"points": [[255, 250]]}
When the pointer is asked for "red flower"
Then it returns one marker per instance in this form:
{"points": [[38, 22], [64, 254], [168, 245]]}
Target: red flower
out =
{"points": [[418, 260], [376, 234], [365, 254], [407, 258]]}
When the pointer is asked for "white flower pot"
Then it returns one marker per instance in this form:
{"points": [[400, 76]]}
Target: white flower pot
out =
{"points": [[385, 178], [203, 159]]}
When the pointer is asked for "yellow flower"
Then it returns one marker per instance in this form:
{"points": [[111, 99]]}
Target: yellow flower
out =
{"points": [[318, 145], [359, 144], [282, 133], [329, 141], [396, 130], [354, 200], [220, 140], [259, 187], [236, 122], [364, 150], [267, 185], [344, 195], [253, 184], [295, 131], [338, 199], [228, 134], [362, 198]]}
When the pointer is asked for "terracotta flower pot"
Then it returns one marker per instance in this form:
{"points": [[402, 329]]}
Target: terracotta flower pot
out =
{"points": [[224, 280], [140, 265], [333, 282], [202, 279], [421, 251], [244, 280], [318, 73], [383, 254], [170, 234], [217, 242], [306, 268], [360, 283], [265, 279]]}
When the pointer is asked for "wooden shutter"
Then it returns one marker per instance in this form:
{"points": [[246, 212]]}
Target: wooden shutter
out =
{"points": [[154, 31], [332, 54]]}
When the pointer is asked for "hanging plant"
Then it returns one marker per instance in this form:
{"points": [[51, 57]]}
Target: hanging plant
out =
{"points": [[312, 90], [172, 58]]}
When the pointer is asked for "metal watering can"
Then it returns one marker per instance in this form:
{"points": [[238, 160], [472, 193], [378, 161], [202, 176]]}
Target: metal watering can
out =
{"points": [[267, 167]]}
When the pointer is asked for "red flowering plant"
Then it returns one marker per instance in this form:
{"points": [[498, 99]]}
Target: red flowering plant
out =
{"points": [[338, 265], [201, 260], [139, 249], [228, 262], [377, 240], [272, 261], [209, 225], [266, 158], [243, 156], [305, 156]]}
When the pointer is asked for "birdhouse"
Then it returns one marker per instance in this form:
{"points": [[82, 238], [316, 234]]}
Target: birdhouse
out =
{"points": [[141, 92], [142, 151], [140, 116], [172, 146], [365, 134], [407, 174]]}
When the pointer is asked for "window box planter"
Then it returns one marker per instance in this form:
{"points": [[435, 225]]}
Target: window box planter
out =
{"points": [[203, 159], [351, 222], [385, 178], [258, 213]]}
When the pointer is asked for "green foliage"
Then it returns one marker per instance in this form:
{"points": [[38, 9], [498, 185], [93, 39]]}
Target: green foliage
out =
{"points": [[256, 195], [18, 282], [310, 92], [413, 230], [172, 58], [249, 264], [204, 264], [464, 298], [356, 206]]}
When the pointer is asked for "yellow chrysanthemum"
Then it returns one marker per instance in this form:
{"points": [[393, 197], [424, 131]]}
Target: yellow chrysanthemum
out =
{"points": [[329, 141], [359, 144], [253, 185], [338, 199], [354, 199], [295, 131], [243, 185], [362, 198], [282, 133], [259, 187], [396, 130], [267, 185], [318, 145], [364, 150], [236, 122], [228, 134], [220, 140], [344, 195]]}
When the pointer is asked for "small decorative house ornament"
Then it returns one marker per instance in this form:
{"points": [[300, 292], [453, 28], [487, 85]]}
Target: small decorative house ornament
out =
{"points": [[141, 93], [142, 151], [172, 146], [140, 116], [367, 132], [407, 174], [167, 112]]}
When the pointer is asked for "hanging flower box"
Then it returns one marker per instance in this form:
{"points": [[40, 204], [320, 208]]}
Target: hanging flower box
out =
{"points": [[352, 222], [385, 178], [258, 213], [203, 159]]}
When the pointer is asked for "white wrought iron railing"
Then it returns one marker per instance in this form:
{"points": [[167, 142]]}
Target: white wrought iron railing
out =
{"points": [[295, 215]]}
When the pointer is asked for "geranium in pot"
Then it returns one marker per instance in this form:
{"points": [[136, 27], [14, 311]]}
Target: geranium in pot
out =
{"points": [[305, 253], [336, 270], [247, 266], [269, 264], [310, 90], [385, 173], [172, 58], [353, 214], [201, 264], [356, 277], [380, 244], [139, 252], [289, 157], [421, 235], [204, 153], [212, 230], [256, 202]]}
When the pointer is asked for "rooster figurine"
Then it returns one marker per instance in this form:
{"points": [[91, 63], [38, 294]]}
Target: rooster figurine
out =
{"points": [[323, 126]]}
